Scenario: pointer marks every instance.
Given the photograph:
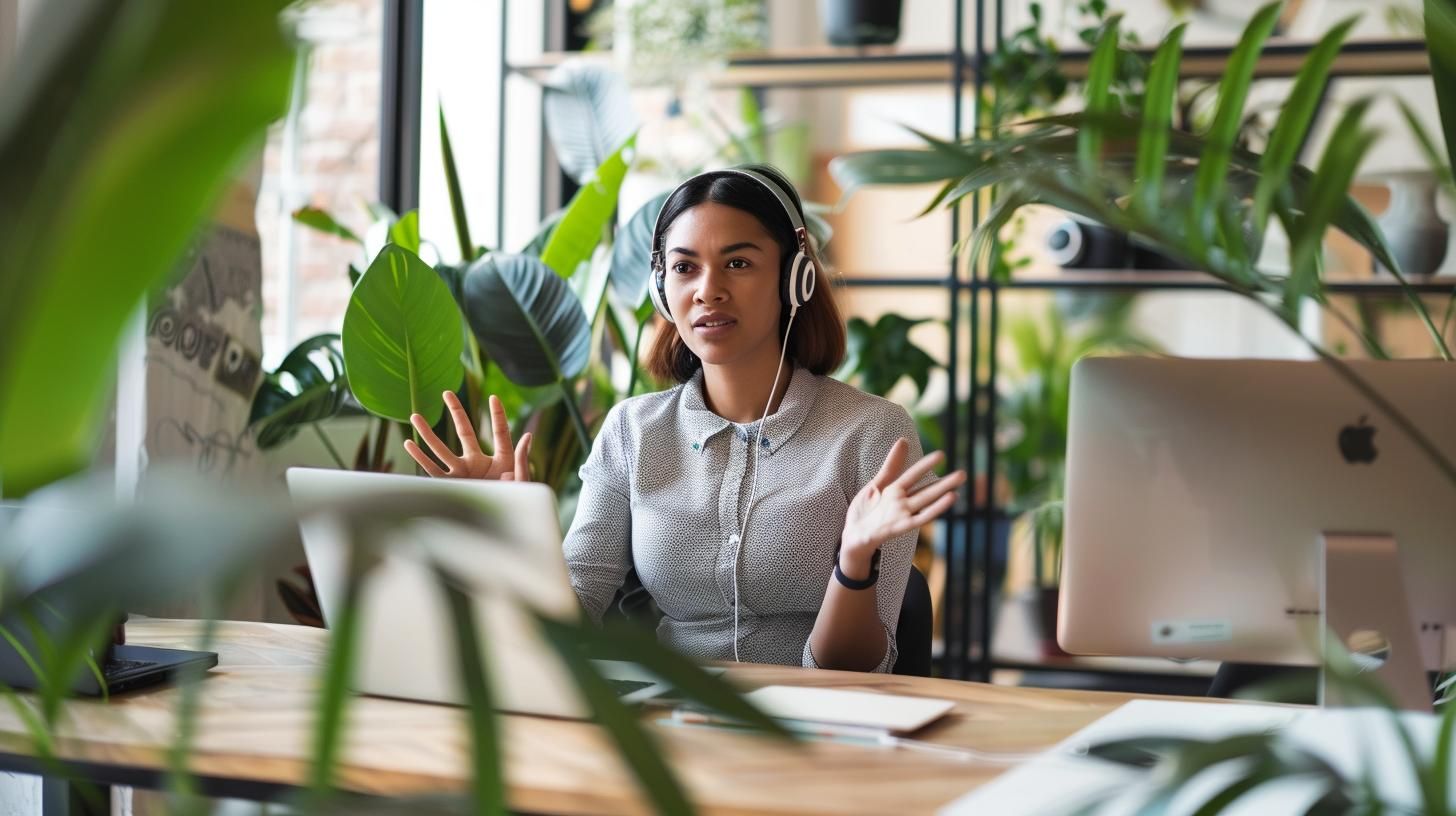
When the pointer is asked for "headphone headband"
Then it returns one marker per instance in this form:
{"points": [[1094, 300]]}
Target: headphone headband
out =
{"points": [[801, 234]]}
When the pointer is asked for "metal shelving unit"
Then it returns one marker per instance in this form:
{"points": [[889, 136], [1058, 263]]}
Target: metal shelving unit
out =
{"points": [[967, 608]]}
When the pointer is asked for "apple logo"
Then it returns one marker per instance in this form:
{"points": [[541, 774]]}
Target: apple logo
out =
{"points": [[1357, 443]]}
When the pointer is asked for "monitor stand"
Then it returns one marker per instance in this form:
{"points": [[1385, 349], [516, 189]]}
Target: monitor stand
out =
{"points": [[1363, 598]]}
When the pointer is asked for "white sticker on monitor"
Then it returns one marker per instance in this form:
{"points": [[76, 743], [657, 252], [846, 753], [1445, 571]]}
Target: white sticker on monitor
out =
{"points": [[1173, 632]]}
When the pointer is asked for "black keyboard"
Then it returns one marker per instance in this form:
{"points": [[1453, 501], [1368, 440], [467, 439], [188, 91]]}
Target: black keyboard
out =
{"points": [[625, 687], [117, 666]]}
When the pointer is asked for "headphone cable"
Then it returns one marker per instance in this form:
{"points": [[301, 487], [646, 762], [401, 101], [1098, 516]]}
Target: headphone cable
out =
{"points": [[753, 479]]}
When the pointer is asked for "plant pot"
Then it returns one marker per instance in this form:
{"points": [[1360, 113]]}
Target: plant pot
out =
{"points": [[1041, 610], [1418, 237], [861, 22]]}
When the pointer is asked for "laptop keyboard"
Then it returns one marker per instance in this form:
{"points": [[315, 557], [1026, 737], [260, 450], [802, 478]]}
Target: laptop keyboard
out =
{"points": [[625, 687], [120, 665]]}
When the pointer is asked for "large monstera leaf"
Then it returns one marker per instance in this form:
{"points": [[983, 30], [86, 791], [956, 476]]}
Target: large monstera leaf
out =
{"points": [[526, 318]]}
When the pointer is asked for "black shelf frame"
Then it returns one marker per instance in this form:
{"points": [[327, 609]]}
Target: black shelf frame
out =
{"points": [[969, 423], [1126, 280]]}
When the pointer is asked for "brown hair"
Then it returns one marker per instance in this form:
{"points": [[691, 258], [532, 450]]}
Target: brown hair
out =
{"points": [[818, 341]]}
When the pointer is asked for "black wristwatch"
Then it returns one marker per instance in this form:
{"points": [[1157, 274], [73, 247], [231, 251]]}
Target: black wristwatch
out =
{"points": [[851, 583]]}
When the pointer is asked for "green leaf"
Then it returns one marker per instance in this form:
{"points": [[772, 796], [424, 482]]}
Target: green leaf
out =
{"points": [[1233, 89], [487, 774], [1331, 182], [1162, 92], [405, 233], [457, 196], [333, 694], [1441, 759], [589, 114], [589, 284], [632, 253], [114, 98], [181, 785], [899, 167], [1098, 92], [1438, 163], [589, 214], [1294, 121], [639, 750], [308, 386], [1441, 44], [752, 115], [526, 318], [402, 340], [880, 355], [317, 219]]}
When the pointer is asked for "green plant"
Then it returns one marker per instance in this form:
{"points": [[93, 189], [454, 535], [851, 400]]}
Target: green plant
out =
{"points": [[1036, 407], [127, 96], [1193, 197], [878, 356], [76, 144], [669, 38], [525, 322], [1025, 74]]}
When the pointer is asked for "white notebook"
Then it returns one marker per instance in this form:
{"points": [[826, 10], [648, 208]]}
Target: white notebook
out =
{"points": [[892, 713]]}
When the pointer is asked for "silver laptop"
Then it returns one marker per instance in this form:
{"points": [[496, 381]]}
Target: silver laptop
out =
{"points": [[406, 649]]}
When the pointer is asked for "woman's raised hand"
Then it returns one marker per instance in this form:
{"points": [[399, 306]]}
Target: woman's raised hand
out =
{"points": [[472, 463], [891, 505]]}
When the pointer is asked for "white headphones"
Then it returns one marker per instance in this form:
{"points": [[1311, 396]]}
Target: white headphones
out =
{"points": [[798, 277]]}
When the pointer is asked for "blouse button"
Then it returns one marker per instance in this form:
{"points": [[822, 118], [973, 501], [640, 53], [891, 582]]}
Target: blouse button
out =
{"points": [[695, 446]]}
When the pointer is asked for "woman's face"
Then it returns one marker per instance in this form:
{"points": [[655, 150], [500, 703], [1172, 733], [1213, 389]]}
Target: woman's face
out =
{"points": [[722, 283]]}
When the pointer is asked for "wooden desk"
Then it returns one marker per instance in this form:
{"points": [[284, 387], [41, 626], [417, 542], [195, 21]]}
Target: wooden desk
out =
{"points": [[254, 739]]}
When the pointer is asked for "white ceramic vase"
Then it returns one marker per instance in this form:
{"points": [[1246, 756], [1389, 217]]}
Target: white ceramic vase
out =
{"points": [[1417, 235]]}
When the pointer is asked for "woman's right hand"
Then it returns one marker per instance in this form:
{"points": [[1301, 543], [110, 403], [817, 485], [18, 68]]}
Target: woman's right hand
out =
{"points": [[472, 463]]}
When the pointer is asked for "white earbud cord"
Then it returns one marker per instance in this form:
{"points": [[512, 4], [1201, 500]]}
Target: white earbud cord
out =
{"points": [[753, 478]]}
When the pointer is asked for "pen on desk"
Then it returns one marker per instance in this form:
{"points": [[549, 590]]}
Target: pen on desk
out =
{"points": [[695, 719]]}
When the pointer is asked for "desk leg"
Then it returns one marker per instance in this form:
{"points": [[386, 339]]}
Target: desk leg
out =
{"points": [[63, 797]]}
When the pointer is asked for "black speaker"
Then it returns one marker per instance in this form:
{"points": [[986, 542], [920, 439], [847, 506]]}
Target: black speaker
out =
{"points": [[1076, 244]]}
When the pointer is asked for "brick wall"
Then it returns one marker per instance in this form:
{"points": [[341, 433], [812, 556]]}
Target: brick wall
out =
{"points": [[335, 165]]}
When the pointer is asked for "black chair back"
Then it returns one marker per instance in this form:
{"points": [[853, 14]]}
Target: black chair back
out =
{"points": [[912, 633]]}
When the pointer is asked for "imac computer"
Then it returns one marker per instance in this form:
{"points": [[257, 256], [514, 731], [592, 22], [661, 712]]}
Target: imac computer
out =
{"points": [[1241, 509]]}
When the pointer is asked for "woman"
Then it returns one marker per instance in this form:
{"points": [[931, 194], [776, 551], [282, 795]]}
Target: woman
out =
{"points": [[769, 510]]}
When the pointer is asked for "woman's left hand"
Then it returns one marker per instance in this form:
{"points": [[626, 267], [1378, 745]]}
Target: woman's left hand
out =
{"points": [[890, 505]]}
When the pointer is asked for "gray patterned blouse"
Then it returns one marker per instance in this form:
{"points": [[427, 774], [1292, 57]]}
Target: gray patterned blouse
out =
{"points": [[665, 489]]}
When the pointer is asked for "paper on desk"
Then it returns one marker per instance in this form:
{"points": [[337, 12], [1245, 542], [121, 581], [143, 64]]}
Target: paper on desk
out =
{"points": [[1353, 740], [1063, 779]]}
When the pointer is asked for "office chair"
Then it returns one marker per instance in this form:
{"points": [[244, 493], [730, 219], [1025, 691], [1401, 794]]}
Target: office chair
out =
{"points": [[912, 633]]}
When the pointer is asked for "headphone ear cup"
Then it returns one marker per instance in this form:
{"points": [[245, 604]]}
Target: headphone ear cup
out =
{"points": [[799, 281], [656, 289]]}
